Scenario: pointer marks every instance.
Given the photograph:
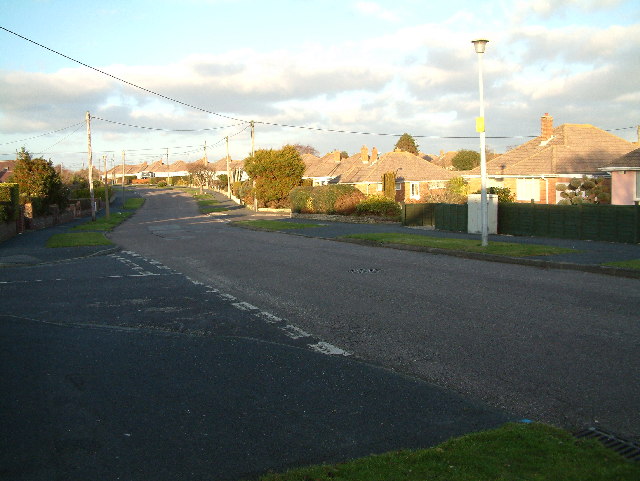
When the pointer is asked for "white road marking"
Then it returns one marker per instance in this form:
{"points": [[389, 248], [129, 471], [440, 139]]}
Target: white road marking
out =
{"points": [[268, 317], [245, 306], [329, 349], [294, 332]]}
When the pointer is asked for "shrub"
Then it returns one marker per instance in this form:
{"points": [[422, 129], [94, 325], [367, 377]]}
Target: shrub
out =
{"points": [[378, 206], [9, 202], [321, 199], [162, 183], [346, 204], [504, 194], [139, 181]]}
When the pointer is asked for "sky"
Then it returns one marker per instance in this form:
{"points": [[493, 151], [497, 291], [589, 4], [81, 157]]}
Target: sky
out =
{"points": [[161, 78]]}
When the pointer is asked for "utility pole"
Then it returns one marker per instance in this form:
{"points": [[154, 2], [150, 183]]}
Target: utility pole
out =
{"points": [[206, 161], [167, 156], [123, 178], [106, 188], [253, 149], [90, 156], [228, 170]]}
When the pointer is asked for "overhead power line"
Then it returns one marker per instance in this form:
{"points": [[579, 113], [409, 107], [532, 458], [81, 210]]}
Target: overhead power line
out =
{"points": [[162, 129], [42, 135]]}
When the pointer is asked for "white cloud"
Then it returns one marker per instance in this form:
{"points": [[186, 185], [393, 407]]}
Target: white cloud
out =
{"points": [[375, 10]]}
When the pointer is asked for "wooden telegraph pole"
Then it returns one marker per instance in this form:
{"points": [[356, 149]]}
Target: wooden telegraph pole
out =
{"points": [[228, 171], [123, 179], [253, 144], [106, 188], [90, 155]]}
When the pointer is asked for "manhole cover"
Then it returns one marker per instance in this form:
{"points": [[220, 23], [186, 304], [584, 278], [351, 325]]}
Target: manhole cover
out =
{"points": [[364, 270], [623, 447]]}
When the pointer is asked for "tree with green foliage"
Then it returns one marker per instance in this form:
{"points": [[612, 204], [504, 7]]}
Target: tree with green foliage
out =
{"points": [[505, 196], [407, 143], [275, 173], [456, 191], [588, 190], [466, 160], [39, 183]]}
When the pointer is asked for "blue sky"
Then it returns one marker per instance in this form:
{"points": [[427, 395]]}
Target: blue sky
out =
{"points": [[366, 66]]}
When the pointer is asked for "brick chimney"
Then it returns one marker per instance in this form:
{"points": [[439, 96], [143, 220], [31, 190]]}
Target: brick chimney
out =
{"points": [[374, 155], [364, 154], [546, 126]]}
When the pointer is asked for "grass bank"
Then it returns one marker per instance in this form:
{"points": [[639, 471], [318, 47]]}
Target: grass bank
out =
{"points": [[511, 452], [632, 264], [468, 245], [91, 233]]}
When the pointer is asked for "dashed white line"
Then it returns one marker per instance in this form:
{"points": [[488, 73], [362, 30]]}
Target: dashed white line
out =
{"points": [[329, 349], [294, 332]]}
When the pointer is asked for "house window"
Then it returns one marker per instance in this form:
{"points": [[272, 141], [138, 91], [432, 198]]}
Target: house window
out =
{"points": [[528, 189], [415, 190], [398, 186]]}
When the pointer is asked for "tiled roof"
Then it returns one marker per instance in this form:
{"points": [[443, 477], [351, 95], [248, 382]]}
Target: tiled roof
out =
{"points": [[157, 166], [221, 165], [331, 165], [632, 159], [408, 168], [572, 149], [178, 166]]}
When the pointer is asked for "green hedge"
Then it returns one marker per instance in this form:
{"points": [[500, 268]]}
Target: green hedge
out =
{"points": [[9, 202], [379, 206], [321, 199]]}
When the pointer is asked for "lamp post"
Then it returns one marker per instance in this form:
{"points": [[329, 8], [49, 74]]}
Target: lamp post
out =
{"points": [[480, 45]]}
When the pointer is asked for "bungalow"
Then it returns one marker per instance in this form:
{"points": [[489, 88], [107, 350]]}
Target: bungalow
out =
{"points": [[558, 155], [6, 170], [330, 168], [625, 178], [415, 176]]}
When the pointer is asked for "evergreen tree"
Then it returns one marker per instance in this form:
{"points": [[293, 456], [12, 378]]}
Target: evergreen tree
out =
{"points": [[466, 160], [39, 183], [275, 172], [406, 143]]}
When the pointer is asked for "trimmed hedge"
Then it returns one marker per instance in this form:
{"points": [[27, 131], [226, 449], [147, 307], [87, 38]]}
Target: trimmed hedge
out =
{"points": [[324, 199], [379, 206], [9, 202]]}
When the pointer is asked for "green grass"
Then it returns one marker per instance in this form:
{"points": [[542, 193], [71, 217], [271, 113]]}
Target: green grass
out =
{"points": [[468, 245], [104, 224], [273, 224], [133, 203], [511, 452], [78, 239], [632, 264]]}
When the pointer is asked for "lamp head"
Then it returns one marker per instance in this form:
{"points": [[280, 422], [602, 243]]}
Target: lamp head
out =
{"points": [[480, 45]]}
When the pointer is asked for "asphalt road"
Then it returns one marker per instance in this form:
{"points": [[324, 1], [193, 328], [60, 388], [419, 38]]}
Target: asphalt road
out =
{"points": [[555, 346], [119, 367]]}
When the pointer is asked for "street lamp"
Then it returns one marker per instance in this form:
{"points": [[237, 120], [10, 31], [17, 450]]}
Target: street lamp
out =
{"points": [[480, 45]]}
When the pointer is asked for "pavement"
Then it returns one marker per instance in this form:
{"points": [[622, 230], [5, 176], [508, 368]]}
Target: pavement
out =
{"points": [[588, 256]]}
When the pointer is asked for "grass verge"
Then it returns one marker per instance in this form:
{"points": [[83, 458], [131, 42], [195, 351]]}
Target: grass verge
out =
{"points": [[78, 239], [511, 452], [632, 264], [133, 203], [272, 224], [468, 245], [104, 224]]}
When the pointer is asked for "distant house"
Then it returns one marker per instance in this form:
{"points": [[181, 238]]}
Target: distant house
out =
{"points": [[332, 167], [625, 178], [6, 169], [415, 176], [558, 155]]}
